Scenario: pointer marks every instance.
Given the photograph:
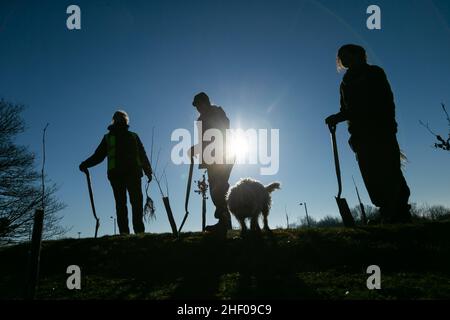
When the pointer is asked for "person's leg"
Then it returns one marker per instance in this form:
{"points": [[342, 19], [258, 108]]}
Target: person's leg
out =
{"points": [[120, 195], [396, 189], [402, 213], [218, 177], [136, 199], [380, 166], [372, 177]]}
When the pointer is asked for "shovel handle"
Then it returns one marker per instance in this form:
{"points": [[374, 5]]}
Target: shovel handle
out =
{"points": [[91, 198], [336, 159], [189, 183], [332, 128], [188, 191]]}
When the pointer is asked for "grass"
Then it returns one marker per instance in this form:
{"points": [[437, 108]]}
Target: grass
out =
{"points": [[316, 263]]}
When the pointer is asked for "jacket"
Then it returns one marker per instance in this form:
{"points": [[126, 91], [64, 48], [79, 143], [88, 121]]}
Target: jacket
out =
{"points": [[125, 152]]}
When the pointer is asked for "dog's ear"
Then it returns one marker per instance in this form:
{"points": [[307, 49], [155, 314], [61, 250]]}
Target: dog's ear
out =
{"points": [[273, 186]]}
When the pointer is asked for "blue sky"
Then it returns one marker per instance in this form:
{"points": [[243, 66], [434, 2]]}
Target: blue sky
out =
{"points": [[270, 64]]}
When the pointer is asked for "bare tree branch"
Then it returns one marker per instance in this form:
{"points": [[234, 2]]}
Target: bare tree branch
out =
{"points": [[20, 192], [427, 126], [442, 143]]}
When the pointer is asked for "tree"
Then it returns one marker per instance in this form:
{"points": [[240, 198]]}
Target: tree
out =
{"points": [[430, 213], [441, 142], [372, 213], [20, 193], [329, 221]]}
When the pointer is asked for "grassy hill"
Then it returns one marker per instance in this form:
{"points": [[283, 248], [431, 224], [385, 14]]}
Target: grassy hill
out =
{"points": [[316, 263]]}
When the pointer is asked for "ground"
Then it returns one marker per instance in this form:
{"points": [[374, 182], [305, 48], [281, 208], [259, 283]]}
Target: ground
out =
{"points": [[315, 263]]}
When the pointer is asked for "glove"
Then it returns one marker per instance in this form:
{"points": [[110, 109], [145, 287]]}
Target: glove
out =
{"points": [[192, 152], [83, 167], [332, 120]]}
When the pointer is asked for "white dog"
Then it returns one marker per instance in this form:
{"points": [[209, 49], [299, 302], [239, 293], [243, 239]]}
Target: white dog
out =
{"points": [[247, 199]]}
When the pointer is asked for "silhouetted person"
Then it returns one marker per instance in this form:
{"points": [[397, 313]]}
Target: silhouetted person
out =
{"points": [[367, 104], [126, 161], [213, 117]]}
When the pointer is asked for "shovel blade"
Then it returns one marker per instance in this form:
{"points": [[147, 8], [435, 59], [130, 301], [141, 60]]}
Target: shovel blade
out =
{"points": [[346, 215], [170, 216]]}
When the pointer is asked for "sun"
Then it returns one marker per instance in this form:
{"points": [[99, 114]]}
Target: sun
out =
{"points": [[238, 145]]}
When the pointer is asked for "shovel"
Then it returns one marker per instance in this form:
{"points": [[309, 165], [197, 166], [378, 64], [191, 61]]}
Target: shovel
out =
{"points": [[173, 225], [91, 197], [188, 191], [344, 209]]}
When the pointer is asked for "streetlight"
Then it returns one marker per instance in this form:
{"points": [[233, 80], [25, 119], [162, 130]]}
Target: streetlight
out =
{"points": [[114, 221], [306, 211], [287, 217], [79, 234]]}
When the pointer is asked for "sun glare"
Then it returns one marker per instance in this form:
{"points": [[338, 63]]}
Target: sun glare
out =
{"points": [[238, 146]]}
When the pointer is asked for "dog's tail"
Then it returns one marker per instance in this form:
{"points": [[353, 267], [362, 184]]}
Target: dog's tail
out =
{"points": [[272, 187]]}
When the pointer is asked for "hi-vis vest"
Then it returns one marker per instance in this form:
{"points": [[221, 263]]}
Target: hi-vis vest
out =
{"points": [[111, 144]]}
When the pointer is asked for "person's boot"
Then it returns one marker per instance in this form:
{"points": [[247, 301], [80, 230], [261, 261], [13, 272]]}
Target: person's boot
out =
{"points": [[213, 227], [403, 215], [387, 214], [224, 221], [374, 221], [218, 230], [377, 219], [227, 223]]}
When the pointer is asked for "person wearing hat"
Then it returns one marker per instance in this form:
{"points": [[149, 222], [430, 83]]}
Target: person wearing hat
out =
{"points": [[214, 117], [127, 160], [367, 104]]}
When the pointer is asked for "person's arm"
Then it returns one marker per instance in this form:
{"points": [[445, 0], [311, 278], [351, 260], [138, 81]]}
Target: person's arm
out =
{"points": [[341, 116], [336, 118], [196, 149], [98, 156], [146, 166], [381, 83], [222, 119]]}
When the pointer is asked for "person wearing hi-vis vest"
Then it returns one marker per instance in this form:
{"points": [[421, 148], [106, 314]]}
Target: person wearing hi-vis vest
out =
{"points": [[127, 160]]}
